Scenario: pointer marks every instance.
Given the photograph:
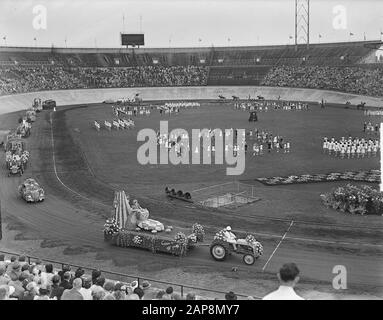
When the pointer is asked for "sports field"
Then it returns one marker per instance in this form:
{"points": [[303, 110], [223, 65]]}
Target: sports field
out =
{"points": [[80, 168]]}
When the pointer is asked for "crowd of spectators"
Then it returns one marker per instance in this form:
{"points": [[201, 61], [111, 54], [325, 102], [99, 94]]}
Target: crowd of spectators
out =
{"points": [[20, 79], [347, 79], [20, 280]]}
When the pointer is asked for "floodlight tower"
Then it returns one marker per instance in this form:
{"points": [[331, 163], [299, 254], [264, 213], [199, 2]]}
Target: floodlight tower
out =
{"points": [[302, 22], [381, 157]]}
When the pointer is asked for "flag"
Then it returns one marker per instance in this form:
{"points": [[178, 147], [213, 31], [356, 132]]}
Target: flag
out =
{"points": [[320, 36], [381, 33], [351, 34], [290, 37], [4, 38]]}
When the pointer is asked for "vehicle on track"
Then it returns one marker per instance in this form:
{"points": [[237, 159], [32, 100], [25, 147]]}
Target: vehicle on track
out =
{"points": [[49, 105], [249, 247], [15, 168], [31, 191]]}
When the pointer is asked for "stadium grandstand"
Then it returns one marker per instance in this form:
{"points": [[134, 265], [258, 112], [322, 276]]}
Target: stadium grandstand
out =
{"points": [[357, 65]]}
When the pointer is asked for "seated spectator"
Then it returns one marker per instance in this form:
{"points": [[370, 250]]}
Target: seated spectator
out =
{"points": [[288, 277], [74, 293]]}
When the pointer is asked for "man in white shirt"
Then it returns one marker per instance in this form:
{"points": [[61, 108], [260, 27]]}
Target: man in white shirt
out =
{"points": [[288, 276], [230, 237]]}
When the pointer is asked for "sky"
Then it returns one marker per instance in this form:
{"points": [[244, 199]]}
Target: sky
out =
{"points": [[182, 23]]}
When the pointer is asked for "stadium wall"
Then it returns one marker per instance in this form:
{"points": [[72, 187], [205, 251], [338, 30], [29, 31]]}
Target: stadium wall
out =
{"points": [[16, 102]]}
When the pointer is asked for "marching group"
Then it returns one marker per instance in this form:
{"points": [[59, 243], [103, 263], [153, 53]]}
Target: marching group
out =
{"points": [[371, 128], [351, 147], [266, 140], [264, 106]]}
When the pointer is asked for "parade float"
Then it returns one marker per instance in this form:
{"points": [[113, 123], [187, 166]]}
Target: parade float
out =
{"points": [[130, 226], [355, 199]]}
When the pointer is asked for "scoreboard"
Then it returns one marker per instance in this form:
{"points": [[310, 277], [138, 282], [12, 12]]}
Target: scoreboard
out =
{"points": [[132, 39]]}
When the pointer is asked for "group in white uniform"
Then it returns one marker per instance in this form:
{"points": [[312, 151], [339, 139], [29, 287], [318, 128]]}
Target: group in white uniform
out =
{"points": [[351, 147]]}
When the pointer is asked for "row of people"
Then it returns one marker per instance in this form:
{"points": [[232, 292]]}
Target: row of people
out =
{"points": [[351, 147], [371, 128], [20, 280]]}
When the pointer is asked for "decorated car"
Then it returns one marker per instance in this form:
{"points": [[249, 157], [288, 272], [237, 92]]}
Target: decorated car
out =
{"points": [[31, 191]]}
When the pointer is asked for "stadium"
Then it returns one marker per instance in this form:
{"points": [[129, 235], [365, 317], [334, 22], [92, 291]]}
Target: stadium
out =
{"points": [[315, 143]]}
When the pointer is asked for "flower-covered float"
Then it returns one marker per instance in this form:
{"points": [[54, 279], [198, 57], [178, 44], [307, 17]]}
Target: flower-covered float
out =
{"points": [[355, 200], [130, 226]]}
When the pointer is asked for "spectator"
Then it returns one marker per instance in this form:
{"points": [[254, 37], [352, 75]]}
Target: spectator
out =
{"points": [[108, 287], [56, 289], [6, 291], [4, 278], [17, 285], [31, 290], [168, 294], [230, 296], [43, 294], [85, 290], [74, 293], [79, 273], [160, 294], [65, 283], [140, 292], [190, 296], [288, 277], [22, 261], [98, 295], [66, 268], [47, 275], [95, 275]]}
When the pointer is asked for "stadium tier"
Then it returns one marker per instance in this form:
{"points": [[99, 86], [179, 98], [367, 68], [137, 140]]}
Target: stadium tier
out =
{"points": [[35, 69]]}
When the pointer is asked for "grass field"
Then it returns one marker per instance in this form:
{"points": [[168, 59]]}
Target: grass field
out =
{"points": [[112, 156]]}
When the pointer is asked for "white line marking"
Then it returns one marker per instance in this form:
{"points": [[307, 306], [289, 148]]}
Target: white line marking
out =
{"points": [[276, 248], [55, 169]]}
